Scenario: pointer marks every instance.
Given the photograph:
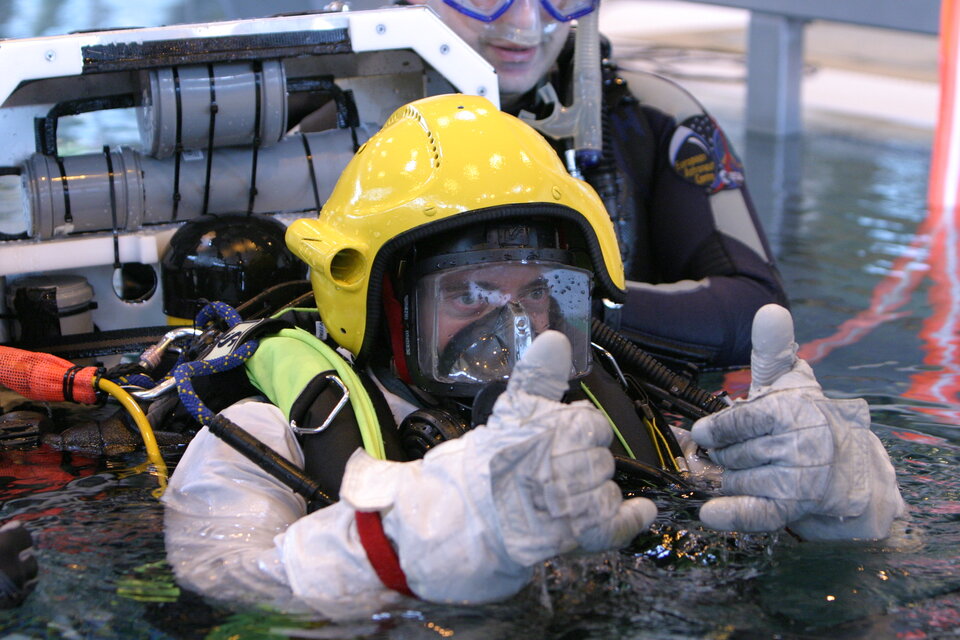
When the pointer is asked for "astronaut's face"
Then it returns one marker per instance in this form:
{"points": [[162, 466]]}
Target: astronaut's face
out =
{"points": [[475, 322]]}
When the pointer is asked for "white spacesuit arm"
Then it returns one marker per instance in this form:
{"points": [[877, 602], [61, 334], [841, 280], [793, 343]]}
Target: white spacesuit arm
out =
{"points": [[229, 535]]}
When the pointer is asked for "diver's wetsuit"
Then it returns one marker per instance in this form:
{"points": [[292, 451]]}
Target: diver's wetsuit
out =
{"points": [[697, 240]]}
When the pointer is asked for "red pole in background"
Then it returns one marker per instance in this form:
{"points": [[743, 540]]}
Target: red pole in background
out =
{"points": [[940, 332], [934, 252]]}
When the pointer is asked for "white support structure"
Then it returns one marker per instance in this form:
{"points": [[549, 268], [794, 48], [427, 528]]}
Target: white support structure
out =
{"points": [[775, 47], [775, 78], [384, 58]]}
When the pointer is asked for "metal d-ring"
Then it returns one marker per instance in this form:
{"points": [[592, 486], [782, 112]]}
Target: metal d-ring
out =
{"points": [[333, 412]]}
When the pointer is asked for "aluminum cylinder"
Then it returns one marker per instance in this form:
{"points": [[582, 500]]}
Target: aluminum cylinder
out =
{"points": [[70, 195], [180, 104], [291, 177]]}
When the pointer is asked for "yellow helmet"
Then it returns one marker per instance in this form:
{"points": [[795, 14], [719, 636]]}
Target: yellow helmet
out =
{"points": [[439, 164]]}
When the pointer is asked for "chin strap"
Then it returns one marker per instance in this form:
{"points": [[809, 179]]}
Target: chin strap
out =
{"points": [[381, 553]]}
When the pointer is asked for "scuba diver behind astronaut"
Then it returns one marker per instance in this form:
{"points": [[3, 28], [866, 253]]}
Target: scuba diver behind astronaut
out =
{"points": [[455, 249]]}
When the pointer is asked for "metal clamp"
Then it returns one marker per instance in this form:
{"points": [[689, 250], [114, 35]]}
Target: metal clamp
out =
{"points": [[301, 431], [613, 362]]}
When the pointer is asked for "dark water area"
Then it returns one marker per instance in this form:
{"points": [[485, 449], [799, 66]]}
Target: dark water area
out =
{"points": [[868, 270]]}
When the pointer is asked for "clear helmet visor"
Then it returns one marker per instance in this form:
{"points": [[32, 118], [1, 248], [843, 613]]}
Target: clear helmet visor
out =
{"points": [[475, 322], [490, 10]]}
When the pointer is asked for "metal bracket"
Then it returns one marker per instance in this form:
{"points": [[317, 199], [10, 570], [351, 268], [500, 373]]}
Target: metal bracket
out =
{"points": [[302, 431]]}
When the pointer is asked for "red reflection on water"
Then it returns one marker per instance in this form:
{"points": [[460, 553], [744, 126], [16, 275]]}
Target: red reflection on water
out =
{"points": [[934, 252], [41, 469], [918, 437]]}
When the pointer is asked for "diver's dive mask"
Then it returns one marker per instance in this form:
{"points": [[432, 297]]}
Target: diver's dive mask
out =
{"points": [[490, 10], [475, 322]]}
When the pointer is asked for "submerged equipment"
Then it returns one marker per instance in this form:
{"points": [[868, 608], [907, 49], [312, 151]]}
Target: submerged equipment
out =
{"points": [[46, 378], [18, 566]]}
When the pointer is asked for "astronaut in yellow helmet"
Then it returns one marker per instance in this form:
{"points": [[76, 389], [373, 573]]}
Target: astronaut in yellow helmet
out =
{"points": [[455, 257]]}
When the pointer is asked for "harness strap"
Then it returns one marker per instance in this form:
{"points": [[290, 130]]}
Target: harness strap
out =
{"points": [[381, 554], [286, 362]]}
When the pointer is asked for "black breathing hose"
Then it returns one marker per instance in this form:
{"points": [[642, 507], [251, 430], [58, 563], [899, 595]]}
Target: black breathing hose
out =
{"points": [[269, 460], [655, 372]]}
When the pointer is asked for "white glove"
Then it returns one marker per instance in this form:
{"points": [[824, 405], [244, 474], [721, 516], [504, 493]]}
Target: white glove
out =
{"points": [[471, 519], [793, 457]]}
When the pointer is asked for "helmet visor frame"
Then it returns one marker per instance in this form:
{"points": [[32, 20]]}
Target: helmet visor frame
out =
{"points": [[490, 10]]}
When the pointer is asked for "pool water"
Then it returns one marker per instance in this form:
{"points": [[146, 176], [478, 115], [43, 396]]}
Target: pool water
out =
{"points": [[855, 245]]}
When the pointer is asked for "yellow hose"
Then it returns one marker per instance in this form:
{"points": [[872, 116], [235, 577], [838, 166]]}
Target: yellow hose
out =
{"points": [[146, 431]]}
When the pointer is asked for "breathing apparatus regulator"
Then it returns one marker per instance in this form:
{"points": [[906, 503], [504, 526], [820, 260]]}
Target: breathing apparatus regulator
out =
{"points": [[581, 120]]}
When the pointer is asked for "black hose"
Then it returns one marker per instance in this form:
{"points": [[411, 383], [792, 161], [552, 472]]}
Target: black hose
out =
{"points": [[655, 372], [637, 471], [269, 460]]}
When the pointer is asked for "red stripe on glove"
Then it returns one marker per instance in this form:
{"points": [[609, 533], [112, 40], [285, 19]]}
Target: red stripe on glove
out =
{"points": [[380, 552]]}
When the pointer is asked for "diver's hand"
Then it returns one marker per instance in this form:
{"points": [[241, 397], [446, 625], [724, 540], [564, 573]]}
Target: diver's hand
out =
{"points": [[552, 470], [792, 456], [471, 519], [18, 567]]}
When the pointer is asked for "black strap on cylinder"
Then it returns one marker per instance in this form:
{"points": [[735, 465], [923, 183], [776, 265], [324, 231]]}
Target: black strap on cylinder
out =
{"points": [[113, 208], [178, 146], [258, 92], [313, 175], [213, 122], [67, 215]]}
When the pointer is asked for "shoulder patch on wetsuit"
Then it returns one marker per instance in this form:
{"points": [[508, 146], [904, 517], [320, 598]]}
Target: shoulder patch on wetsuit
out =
{"points": [[701, 155]]}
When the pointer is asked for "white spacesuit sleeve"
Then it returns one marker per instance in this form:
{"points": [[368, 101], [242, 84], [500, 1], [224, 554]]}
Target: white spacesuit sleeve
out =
{"points": [[235, 533]]}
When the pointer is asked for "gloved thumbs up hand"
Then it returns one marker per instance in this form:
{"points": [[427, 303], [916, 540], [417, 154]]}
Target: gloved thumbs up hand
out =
{"points": [[544, 369], [550, 467], [472, 518], [773, 360], [793, 457]]}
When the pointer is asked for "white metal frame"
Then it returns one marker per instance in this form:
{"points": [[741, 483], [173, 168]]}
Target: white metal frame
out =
{"points": [[417, 29]]}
